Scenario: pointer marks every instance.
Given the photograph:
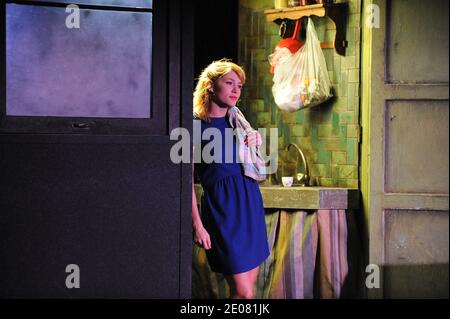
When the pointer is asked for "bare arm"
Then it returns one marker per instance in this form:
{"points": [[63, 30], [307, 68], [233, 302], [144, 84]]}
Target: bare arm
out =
{"points": [[201, 236], [196, 220]]}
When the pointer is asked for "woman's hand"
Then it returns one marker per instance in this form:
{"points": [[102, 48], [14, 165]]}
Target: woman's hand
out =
{"points": [[253, 139], [201, 237]]}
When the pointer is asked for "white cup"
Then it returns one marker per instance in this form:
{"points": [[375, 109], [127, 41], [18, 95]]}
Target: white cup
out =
{"points": [[287, 181]]}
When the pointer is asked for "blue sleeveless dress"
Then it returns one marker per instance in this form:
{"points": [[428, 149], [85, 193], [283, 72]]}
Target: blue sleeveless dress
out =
{"points": [[231, 208]]}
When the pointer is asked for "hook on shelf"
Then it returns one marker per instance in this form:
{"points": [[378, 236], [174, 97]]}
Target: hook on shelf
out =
{"points": [[337, 12]]}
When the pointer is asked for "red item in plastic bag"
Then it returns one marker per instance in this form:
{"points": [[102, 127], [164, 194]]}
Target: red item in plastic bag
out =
{"points": [[293, 44]]}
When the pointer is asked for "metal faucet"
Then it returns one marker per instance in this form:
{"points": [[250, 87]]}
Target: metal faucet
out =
{"points": [[303, 179]]}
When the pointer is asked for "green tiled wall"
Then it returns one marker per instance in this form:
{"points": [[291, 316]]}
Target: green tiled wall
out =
{"points": [[329, 134]]}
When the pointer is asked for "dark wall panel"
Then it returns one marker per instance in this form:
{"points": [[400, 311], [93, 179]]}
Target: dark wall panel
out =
{"points": [[216, 32], [107, 200], [107, 208]]}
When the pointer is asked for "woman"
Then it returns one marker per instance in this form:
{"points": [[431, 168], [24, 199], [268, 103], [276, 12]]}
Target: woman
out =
{"points": [[232, 226]]}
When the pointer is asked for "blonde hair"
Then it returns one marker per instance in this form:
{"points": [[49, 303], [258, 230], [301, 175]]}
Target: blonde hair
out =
{"points": [[209, 76]]}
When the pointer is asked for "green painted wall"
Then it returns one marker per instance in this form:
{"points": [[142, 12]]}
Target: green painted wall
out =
{"points": [[329, 134]]}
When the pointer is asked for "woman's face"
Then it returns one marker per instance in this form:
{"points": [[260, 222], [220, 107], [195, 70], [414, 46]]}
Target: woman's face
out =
{"points": [[227, 90]]}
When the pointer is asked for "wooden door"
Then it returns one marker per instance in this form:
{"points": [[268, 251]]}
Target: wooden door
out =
{"points": [[408, 157]]}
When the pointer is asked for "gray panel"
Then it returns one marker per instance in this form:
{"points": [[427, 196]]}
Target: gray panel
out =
{"points": [[417, 43], [416, 254], [119, 3], [95, 205], [102, 69], [417, 147]]}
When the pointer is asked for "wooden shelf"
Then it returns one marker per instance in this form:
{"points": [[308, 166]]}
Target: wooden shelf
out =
{"points": [[295, 13], [336, 12]]}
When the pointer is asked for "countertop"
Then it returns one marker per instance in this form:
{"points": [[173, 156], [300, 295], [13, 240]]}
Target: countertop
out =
{"points": [[305, 197]]}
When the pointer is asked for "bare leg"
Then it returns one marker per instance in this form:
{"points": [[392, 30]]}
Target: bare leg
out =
{"points": [[242, 284]]}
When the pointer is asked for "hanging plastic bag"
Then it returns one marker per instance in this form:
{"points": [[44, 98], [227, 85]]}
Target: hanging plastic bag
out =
{"points": [[301, 78]]}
